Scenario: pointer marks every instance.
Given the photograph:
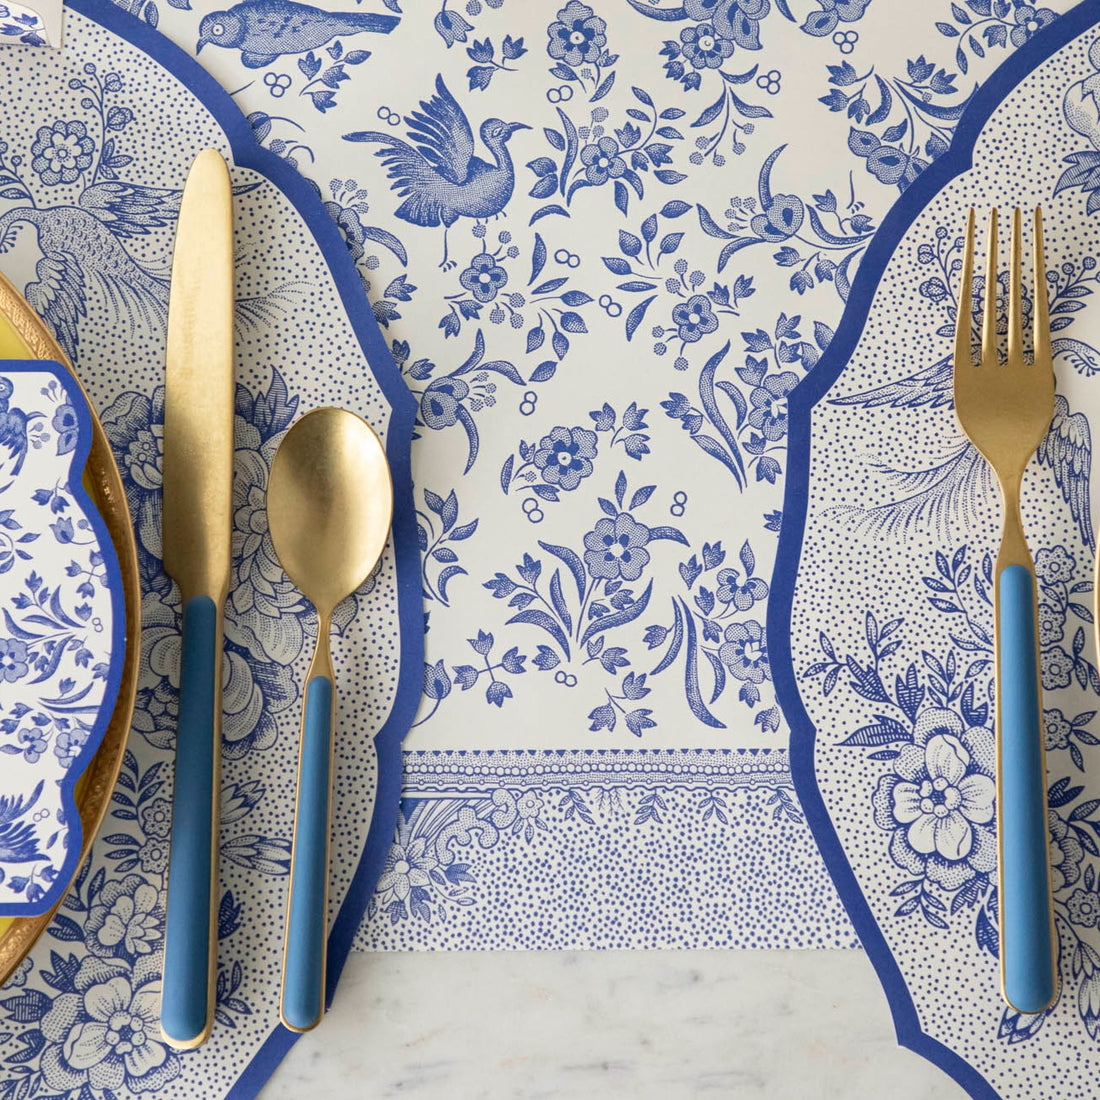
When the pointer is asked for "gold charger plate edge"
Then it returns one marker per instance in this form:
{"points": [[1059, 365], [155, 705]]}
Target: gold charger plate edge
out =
{"points": [[94, 788]]}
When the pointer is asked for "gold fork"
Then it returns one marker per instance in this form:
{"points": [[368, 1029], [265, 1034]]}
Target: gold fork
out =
{"points": [[1005, 410]]}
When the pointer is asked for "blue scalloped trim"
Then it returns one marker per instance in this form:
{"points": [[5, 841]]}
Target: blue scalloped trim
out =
{"points": [[956, 161], [248, 154], [75, 485]]}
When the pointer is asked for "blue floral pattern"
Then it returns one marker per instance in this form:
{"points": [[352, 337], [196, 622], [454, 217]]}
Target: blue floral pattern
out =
{"points": [[86, 170], [469, 821], [63, 625], [899, 683], [641, 264], [641, 245]]}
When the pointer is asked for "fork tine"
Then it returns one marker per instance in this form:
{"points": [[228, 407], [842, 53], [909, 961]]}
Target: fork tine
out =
{"points": [[1041, 333], [1015, 293], [964, 318], [989, 314]]}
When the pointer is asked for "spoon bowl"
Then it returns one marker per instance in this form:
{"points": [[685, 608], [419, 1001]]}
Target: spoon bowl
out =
{"points": [[329, 504], [329, 508]]}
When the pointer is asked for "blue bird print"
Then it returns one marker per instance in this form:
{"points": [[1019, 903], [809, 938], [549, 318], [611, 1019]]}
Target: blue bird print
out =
{"points": [[85, 259], [13, 426], [83, 254], [946, 488], [18, 840], [264, 30], [438, 174]]}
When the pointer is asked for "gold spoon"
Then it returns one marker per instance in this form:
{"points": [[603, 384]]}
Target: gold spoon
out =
{"points": [[329, 507]]}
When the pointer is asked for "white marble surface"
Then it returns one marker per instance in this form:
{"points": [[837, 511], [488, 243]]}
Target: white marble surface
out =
{"points": [[635, 1025]]}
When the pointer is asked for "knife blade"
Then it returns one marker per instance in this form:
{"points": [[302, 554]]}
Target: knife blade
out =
{"points": [[197, 531]]}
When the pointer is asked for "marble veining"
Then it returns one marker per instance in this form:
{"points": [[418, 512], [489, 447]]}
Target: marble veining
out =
{"points": [[637, 1025]]}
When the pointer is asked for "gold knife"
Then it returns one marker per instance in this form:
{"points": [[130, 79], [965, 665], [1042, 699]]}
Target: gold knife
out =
{"points": [[197, 526]]}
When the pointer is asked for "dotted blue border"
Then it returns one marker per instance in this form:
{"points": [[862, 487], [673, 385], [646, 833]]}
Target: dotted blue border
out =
{"points": [[957, 160], [60, 886], [249, 154]]}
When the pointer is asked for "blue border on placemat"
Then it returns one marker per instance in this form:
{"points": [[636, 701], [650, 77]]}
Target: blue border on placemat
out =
{"points": [[954, 162], [247, 153], [90, 512]]}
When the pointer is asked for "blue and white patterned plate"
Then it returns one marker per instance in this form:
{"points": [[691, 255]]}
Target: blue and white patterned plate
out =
{"points": [[22, 25], [63, 631], [883, 662], [95, 142]]}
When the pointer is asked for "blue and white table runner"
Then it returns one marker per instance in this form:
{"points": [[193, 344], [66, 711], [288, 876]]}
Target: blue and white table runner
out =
{"points": [[603, 377], [636, 277], [605, 243]]}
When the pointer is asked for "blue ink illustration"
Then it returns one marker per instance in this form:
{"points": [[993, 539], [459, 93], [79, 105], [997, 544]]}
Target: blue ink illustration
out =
{"points": [[438, 172], [264, 30]]}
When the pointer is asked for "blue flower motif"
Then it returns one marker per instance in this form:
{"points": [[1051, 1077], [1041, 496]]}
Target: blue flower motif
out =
{"points": [[156, 817], [1057, 668], [66, 425], [1066, 852], [937, 802], [577, 35], [742, 596], [63, 530], [13, 660], [144, 457], [602, 162], [351, 227], [745, 652], [126, 919], [261, 593], [934, 289], [1029, 21], [68, 743], [1055, 565], [118, 118], [62, 153], [615, 548], [1051, 624], [529, 806], [888, 164], [408, 867], [694, 318], [704, 47], [106, 1035], [565, 456], [451, 27], [437, 683], [484, 277], [1056, 729], [440, 404], [1084, 907], [769, 404], [34, 742], [740, 20], [153, 856], [780, 219]]}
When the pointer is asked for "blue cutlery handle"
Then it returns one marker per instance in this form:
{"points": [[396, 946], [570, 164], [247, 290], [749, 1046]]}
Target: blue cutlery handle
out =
{"points": [[1026, 920], [186, 1000], [307, 913]]}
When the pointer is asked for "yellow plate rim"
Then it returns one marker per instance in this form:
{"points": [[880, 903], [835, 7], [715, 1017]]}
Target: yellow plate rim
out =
{"points": [[93, 791]]}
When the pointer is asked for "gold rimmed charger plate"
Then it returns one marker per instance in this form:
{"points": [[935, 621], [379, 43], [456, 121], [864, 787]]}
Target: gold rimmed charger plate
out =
{"points": [[24, 336]]}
